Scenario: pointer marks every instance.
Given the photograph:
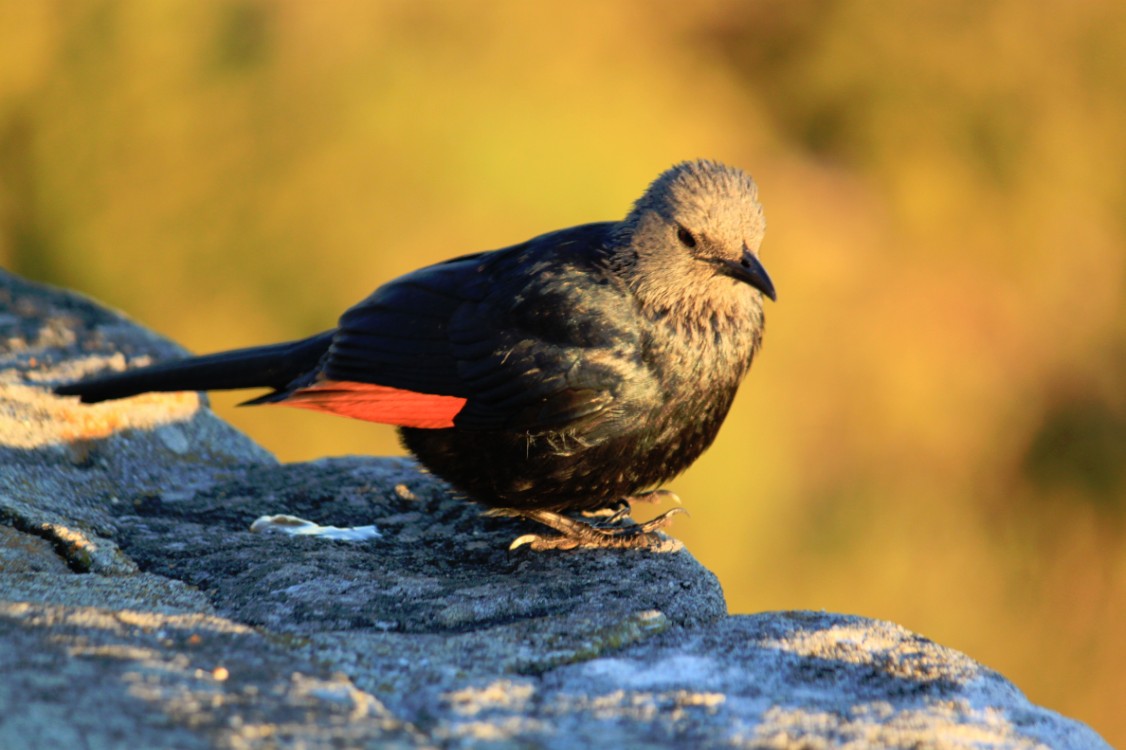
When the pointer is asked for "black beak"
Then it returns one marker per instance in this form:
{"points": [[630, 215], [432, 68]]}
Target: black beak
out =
{"points": [[750, 271]]}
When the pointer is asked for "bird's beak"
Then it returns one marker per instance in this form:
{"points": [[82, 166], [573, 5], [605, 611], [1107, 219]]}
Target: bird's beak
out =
{"points": [[750, 271]]}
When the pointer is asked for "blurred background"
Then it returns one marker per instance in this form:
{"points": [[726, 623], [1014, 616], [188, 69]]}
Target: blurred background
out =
{"points": [[935, 431]]}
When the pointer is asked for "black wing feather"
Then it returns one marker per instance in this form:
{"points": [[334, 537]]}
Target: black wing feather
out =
{"points": [[488, 328]]}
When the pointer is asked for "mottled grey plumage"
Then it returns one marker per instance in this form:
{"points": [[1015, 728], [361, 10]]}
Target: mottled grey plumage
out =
{"points": [[594, 362]]}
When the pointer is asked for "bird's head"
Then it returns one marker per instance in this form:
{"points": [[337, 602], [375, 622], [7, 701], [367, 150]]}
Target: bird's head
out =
{"points": [[693, 238]]}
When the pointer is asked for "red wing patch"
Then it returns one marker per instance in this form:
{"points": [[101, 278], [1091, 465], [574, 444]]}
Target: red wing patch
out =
{"points": [[378, 403]]}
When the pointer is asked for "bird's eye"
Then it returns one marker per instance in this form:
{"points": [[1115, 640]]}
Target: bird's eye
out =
{"points": [[686, 238]]}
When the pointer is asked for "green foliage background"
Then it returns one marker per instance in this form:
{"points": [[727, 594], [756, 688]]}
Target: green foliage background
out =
{"points": [[935, 432]]}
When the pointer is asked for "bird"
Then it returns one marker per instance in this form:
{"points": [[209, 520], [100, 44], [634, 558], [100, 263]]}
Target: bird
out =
{"points": [[558, 380]]}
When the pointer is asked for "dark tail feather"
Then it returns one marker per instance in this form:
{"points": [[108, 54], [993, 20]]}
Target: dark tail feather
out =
{"points": [[274, 366]]}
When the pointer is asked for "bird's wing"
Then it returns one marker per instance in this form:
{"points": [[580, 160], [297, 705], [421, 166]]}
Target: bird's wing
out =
{"points": [[531, 337]]}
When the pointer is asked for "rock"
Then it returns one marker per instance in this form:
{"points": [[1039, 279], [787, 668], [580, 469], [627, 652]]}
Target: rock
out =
{"points": [[138, 609]]}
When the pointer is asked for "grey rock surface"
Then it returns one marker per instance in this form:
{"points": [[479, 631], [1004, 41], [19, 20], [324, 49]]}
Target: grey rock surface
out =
{"points": [[137, 609]]}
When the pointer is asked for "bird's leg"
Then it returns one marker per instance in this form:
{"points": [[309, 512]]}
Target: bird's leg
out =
{"points": [[653, 496], [614, 516], [610, 514], [605, 535], [620, 509]]}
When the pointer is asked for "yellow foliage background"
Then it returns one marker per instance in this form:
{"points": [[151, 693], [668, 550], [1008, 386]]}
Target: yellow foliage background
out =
{"points": [[935, 432]]}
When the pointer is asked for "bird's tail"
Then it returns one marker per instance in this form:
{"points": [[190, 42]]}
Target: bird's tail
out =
{"points": [[275, 366]]}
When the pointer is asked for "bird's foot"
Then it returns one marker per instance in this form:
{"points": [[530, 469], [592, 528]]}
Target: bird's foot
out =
{"points": [[607, 534]]}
